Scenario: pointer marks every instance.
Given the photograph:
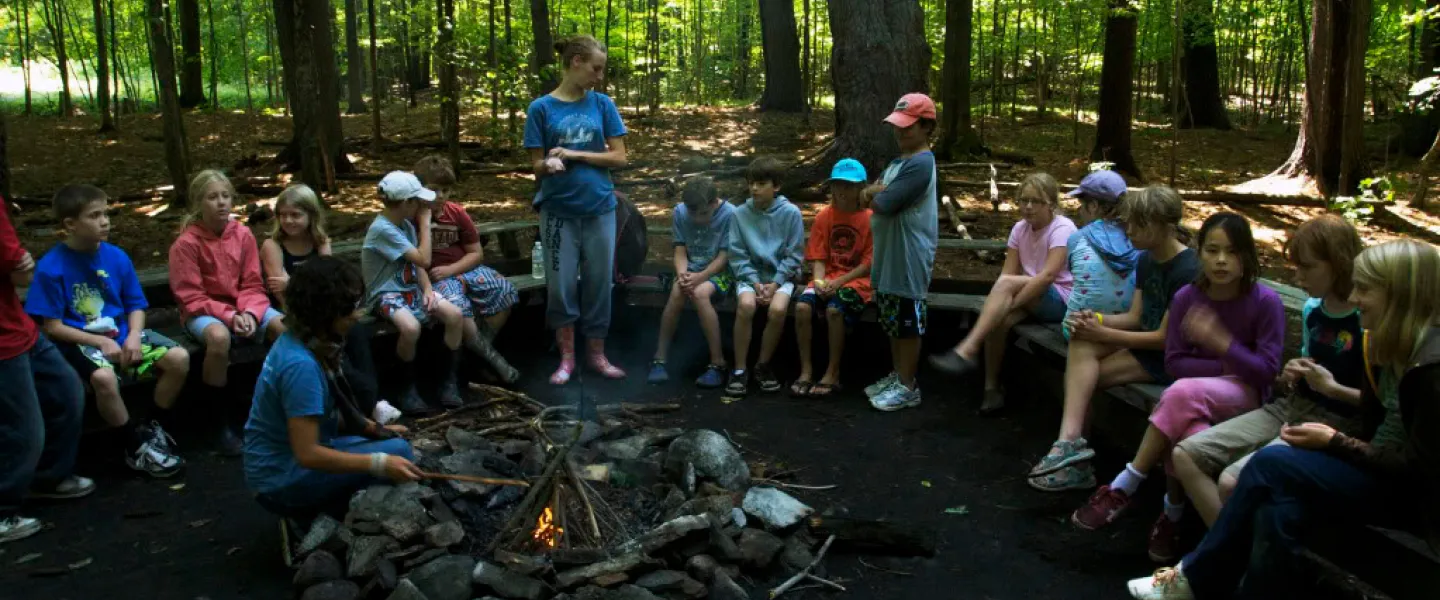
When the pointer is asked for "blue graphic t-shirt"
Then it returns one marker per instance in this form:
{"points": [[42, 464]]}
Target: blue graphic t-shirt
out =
{"points": [[1333, 342], [90, 291], [702, 243], [582, 189], [291, 385]]}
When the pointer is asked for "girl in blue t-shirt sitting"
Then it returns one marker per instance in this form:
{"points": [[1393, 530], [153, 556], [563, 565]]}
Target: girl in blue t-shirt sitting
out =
{"points": [[307, 445]]}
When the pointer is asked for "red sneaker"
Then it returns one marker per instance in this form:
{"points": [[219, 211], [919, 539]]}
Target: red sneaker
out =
{"points": [[1164, 540], [1104, 506]]}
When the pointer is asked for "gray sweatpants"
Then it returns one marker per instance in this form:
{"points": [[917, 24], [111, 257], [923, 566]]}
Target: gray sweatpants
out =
{"points": [[581, 247]]}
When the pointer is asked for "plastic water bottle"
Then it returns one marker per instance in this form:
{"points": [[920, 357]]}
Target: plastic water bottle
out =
{"points": [[537, 261]]}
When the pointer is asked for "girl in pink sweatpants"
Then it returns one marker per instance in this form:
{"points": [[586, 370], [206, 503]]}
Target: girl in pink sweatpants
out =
{"points": [[1222, 345]]}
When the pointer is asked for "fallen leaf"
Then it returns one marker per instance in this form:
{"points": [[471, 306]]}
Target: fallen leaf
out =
{"points": [[925, 482], [232, 551], [728, 399], [75, 566], [201, 523], [27, 558], [958, 510], [177, 487]]}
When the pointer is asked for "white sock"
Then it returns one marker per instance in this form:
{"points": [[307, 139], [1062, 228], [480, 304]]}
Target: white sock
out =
{"points": [[1174, 510], [1128, 480]]}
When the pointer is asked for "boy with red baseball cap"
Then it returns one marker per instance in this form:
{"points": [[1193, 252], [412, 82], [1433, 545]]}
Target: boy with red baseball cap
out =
{"points": [[905, 227]]}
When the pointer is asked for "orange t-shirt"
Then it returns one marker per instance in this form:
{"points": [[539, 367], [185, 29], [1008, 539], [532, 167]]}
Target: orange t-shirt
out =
{"points": [[842, 241]]}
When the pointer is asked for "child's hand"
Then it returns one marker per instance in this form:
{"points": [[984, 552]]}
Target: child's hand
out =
{"points": [[686, 280], [1203, 328], [399, 470], [1084, 326], [429, 300], [277, 284], [112, 351], [559, 153], [1294, 370], [27, 263], [1317, 376], [554, 165], [445, 272], [131, 355], [1309, 436], [870, 192], [243, 324]]}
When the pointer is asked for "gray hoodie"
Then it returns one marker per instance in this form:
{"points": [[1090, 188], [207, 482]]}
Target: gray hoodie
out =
{"points": [[769, 246]]}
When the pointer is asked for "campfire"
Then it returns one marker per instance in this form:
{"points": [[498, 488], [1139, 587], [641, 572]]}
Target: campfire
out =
{"points": [[529, 501]]}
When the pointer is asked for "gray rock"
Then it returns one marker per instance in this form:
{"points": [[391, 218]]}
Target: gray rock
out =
{"points": [[523, 564], [620, 564], [324, 533], [723, 546], [702, 567], [713, 457], [367, 528], [405, 590], [642, 472], [635, 446], [381, 503], [671, 581], [515, 447], [339, 589], [666, 534], [590, 592], [725, 588], [469, 462], [589, 432], [425, 557], [717, 507], [796, 555], [737, 516], [429, 446], [445, 578], [403, 528], [464, 441], [320, 566], [444, 535], [506, 583], [777, 509], [758, 548], [631, 592], [364, 552], [386, 574], [404, 554]]}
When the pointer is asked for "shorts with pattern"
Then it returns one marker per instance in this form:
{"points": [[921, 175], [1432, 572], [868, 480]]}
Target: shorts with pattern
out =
{"points": [[723, 281], [86, 360], [901, 317], [846, 300], [481, 290], [390, 303]]}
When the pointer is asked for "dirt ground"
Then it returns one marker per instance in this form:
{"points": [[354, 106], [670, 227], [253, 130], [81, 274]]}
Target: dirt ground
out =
{"points": [[209, 539], [46, 152]]}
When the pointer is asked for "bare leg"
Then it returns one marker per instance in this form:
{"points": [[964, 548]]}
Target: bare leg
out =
{"points": [[669, 320], [497, 321], [906, 354], [407, 334], [774, 326], [744, 323], [274, 329], [1090, 367], [999, 304], [173, 367], [995, 348], [1153, 448], [217, 355], [804, 335], [836, 321], [107, 397], [1204, 492], [454, 322], [709, 320]]}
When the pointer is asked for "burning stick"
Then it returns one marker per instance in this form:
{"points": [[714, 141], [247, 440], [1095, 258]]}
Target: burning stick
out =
{"points": [[805, 573], [474, 479]]}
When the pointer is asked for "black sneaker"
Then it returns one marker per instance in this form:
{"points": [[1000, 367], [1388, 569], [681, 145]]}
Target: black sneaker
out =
{"points": [[411, 405], [739, 384], [950, 363], [768, 382], [154, 456]]}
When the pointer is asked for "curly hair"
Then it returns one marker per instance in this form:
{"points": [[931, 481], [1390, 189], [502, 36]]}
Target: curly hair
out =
{"points": [[322, 290]]}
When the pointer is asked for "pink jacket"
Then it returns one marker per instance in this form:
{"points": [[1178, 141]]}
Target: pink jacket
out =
{"points": [[217, 276]]}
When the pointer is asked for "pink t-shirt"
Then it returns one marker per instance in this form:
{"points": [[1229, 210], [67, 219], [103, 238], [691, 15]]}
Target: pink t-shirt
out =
{"points": [[1034, 244]]}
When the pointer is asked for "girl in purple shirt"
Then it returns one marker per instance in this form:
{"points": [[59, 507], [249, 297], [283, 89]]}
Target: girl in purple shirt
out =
{"points": [[1222, 345]]}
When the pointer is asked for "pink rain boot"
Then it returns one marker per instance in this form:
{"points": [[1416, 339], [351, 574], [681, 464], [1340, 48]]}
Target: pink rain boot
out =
{"points": [[599, 363], [565, 338]]}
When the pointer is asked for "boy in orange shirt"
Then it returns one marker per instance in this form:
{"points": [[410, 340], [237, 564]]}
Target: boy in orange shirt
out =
{"points": [[839, 252]]}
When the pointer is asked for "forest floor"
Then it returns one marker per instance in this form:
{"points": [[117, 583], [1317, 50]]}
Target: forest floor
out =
{"points": [[47, 152]]}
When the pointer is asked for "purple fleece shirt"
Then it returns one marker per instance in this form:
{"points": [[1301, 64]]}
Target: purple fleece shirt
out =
{"points": [[1256, 320]]}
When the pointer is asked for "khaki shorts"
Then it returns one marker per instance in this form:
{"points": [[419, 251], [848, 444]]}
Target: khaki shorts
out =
{"points": [[1234, 440]]}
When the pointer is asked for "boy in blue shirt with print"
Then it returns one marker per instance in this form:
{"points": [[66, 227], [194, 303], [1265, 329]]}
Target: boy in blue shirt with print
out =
{"points": [[89, 297]]}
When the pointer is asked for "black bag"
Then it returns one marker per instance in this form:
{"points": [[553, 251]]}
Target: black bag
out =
{"points": [[632, 244]]}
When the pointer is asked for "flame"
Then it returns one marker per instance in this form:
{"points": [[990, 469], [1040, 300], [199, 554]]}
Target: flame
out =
{"points": [[546, 531]]}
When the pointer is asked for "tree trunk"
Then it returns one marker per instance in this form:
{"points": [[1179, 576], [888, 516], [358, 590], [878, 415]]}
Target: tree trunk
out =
{"points": [[5, 185], [1201, 70], [244, 55], [544, 47], [311, 78], [374, 74], [1112, 132], [214, 53], [192, 84], [449, 93], [354, 60], [784, 91], [880, 54], [957, 136], [117, 66], [25, 52], [177, 151], [742, 51], [102, 68], [653, 48], [1430, 42], [55, 23]]}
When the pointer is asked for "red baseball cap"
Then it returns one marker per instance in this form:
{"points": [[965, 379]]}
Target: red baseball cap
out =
{"points": [[911, 108]]}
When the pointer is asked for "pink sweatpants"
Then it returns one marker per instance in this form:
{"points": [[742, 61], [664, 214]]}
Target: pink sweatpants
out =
{"points": [[1192, 405]]}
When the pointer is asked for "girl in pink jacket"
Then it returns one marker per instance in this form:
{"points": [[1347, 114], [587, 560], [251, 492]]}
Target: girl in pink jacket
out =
{"points": [[215, 276]]}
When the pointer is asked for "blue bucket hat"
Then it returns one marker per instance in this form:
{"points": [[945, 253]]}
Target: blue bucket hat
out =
{"points": [[1103, 186], [848, 169]]}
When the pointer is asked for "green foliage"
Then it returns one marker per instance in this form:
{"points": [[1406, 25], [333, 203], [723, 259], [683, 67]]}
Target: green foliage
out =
{"points": [[1359, 209]]}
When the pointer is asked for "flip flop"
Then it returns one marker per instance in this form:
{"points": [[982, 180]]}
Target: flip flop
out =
{"points": [[828, 389], [801, 388]]}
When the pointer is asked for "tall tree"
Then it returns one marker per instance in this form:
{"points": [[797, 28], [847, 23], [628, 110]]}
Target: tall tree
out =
{"points": [[54, 13], [449, 91], [214, 55], [1203, 107], [5, 182], [25, 51], [957, 136], [375, 86], [544, 46], [1112, 131], [354, 60], [102, 69], [192, 84], [1330, 146], [742, 50], [244, 55], [307, 50], [177, 149], [880, 54], [784, 88]]}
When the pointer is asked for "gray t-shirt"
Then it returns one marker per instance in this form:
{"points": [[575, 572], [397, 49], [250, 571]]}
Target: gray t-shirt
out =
{"points": [[702, 243], [906, 227], [382, 259]]}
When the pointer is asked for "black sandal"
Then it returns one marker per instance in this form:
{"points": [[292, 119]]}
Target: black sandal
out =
{"points": [[822, 389], [768, 382], [801, 388]]}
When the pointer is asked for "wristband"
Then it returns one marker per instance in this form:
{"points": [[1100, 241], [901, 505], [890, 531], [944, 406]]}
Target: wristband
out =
{"points": [[1099, 319], [377, 464]]}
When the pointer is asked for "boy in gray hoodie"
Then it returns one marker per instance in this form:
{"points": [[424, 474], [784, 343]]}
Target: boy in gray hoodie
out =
{"points": [[767, 243]]}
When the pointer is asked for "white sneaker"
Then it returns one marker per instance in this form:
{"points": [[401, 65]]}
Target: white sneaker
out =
{"points": [[1165, 584], [18, 528], [896, 397], [73, 486], [875, 388], [155, 456]]}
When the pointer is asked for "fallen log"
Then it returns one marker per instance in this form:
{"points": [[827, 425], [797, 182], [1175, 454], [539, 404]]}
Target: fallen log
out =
{"points": [[725, 173], [1215, 196], [1400, 224], [973, 165], [873, 537]]}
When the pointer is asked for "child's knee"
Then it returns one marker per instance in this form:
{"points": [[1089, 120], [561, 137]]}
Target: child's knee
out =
{"points": [[449, 314], [803, 310], [1227, 485], [407, 327], [176, 360], [105, 383], [778, 308], [833, 314], [1182, 461], [217, 339], [745, 308], [275, 327]]}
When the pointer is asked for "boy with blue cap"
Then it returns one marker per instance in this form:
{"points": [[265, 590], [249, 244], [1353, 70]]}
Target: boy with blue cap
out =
{"points": [[701, 230], [839, 253]]}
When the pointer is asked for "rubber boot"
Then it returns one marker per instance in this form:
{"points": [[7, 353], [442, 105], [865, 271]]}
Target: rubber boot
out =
{"points": [[483, 348], [450, 397], [410, 402], [597, 361], [565, 339]]}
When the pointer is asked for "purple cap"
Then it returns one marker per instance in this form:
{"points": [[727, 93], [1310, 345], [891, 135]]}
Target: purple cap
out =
{"points": [[1104, 186]]}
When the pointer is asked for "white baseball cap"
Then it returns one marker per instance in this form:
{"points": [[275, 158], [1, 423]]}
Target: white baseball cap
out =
{"points": [[399, 185]]}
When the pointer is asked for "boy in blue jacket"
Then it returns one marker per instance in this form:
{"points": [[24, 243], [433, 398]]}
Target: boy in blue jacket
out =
{"points": [[767, 251]]}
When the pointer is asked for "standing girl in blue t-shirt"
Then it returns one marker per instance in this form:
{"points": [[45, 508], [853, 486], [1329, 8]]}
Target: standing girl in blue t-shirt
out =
{"points": [[575, 136]]}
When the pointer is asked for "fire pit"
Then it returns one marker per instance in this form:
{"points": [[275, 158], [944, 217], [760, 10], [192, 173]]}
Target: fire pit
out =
{"points": [[528, 501]]}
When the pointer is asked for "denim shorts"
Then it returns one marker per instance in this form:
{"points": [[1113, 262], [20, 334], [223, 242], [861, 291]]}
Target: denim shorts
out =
{"points": [[1050, 308], [196, 326]]}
